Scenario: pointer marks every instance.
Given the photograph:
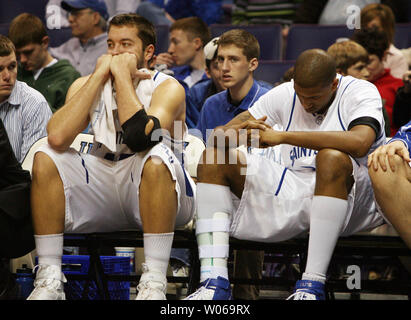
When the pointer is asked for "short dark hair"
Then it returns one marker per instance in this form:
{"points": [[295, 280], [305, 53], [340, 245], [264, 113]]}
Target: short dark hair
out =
{"points": [[374, 41], [193, 26], [146, 30], [313, 68], [6, 46], [25, 29], [243, 40]]}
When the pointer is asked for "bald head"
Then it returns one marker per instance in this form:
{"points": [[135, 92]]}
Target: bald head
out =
{"points": [[314, 68]]}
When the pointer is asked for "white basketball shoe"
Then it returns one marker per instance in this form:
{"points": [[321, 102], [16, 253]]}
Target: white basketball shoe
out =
{"points": [[49, 283], [152, 285]]}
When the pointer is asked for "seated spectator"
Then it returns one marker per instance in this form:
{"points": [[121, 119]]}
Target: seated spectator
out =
{"points": [[381, 17], [114, 7], [390, 172], [161, 12], [237, 56], [185, 55], [376, 43], [23, 110], [205, 88], [38, 68], [87, 20], [401, 112], [351, 59]]}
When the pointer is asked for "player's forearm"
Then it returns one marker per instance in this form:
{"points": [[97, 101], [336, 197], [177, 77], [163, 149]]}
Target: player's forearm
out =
{"points": [[73, 117], [127, 101], [347, 141]]}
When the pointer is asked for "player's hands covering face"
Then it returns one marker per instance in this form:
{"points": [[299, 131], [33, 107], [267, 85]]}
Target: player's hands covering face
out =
{"points": [[103, 66], [126, 63]]}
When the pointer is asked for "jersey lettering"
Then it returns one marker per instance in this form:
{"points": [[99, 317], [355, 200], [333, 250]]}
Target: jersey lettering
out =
{"points": [[84, 144], [300, 152]]}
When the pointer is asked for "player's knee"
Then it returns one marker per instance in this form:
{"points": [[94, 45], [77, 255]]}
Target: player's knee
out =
{"points": [[215, 163], [155, 170], [333, 165], [43, 167], [209, 161]]}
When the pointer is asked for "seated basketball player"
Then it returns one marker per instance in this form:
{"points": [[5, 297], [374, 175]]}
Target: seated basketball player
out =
{"points": [[141, 184], [390, 172], [329, 124]]}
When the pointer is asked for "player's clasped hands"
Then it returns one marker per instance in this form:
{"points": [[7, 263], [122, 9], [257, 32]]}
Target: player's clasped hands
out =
{"points": [[259, 133], [126, 62], [119, 65], [384, 155]]}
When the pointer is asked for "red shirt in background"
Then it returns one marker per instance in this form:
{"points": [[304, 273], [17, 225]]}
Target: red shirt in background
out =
{"points": [[387, 86]]}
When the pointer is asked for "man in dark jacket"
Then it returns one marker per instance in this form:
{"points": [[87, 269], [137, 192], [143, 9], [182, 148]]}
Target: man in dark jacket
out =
{"points": [[16, 231]]}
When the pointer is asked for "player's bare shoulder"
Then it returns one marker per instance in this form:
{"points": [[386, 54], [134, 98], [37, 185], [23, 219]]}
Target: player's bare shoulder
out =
{"points": [[170, 90]]}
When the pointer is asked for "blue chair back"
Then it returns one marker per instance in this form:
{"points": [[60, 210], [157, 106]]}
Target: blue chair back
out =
{"points": [[402, 37], [162, 32], [58, 36], [9, 9], [268, 36], [4, 29], [307, 36], [272, 71]]}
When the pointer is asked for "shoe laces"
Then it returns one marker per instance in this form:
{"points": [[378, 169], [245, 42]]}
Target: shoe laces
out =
{"points": [[47, 278], [302, 295], [146, 291], [148, 287]]}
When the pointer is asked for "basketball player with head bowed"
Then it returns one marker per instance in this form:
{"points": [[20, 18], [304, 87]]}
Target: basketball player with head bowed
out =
{"points": [[329, 124], [138, 183]]}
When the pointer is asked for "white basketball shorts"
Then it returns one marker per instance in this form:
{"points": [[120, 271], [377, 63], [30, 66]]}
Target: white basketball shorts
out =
{"points": [[103, 195], [276, 202]]}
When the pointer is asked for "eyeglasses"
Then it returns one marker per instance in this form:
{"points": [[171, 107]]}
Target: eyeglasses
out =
{"points": [[79, 12]]}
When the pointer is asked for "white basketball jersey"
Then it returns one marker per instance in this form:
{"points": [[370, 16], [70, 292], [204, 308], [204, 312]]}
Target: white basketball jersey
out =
{"points": [[122, 150], [354, 99]]}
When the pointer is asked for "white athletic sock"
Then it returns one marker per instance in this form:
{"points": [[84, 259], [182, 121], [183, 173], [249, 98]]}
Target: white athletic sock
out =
{"points": [[213, 202], [327, 219], [49, 249], [157, 249]]}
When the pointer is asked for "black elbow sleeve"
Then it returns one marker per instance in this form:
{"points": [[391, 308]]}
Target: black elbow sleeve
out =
{"points": [[134, 132]]}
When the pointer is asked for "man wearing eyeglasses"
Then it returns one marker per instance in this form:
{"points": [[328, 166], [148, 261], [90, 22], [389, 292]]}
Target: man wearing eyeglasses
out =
{"points": [[88, 20]]}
